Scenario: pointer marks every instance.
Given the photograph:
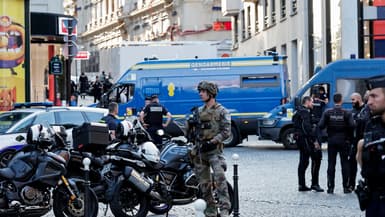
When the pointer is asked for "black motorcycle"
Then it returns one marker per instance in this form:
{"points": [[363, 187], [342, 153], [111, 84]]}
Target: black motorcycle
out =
{"points": [[167, 179], [34, 172], [106, 172]]}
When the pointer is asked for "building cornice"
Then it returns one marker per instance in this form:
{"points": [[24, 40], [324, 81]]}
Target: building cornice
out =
{"points": [[103, 28], [154, 7]]}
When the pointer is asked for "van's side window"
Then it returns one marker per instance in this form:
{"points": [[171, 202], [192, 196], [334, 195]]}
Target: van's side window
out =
{"points": [[348, 86], [260, 80]]}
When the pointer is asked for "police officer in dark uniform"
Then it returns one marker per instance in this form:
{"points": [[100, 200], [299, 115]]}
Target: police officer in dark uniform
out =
{"points": [[308, 145], [111, 119], [371, 155], [320, 99], [339, 124], [361, 115], [152, 118]]}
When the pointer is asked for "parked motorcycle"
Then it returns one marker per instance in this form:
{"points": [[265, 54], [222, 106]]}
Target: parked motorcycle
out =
{"points": [[106, 171], [166, 178], [34, 172]]}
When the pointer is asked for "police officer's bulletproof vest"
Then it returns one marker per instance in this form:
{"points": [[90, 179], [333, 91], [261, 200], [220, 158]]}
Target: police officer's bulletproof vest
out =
{"points": [[154, 116], [297, 119], [373, 157], [210, 120], [337, 123]]}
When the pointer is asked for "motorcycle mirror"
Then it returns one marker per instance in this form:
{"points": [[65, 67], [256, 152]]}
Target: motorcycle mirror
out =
{"points": [[19, 138]]}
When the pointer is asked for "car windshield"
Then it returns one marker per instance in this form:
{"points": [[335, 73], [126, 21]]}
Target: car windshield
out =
{"points": [[8, 119]]}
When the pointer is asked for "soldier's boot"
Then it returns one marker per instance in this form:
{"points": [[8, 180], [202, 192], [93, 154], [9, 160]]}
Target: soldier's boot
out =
{"points": [[225, 213], [211, 211]]}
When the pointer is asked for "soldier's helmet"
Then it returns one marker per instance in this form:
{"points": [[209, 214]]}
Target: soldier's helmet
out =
{"points": [[210, 87]]}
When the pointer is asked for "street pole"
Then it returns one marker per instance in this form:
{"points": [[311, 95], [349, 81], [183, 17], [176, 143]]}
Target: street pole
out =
{"points": [[69, 60], [235, 158], [87, 184]]}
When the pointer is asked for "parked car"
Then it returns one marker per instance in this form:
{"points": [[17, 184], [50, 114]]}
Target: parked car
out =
{"points": [[15, 124]]}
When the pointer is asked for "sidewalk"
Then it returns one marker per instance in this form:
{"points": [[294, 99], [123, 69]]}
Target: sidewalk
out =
{"points": [[88, 100]]}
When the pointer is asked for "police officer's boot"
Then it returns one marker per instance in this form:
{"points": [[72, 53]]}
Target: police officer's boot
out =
{"points": [[315, 176], [330, 186]]}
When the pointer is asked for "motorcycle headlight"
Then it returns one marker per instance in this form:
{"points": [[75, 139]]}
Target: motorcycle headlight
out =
{"points": [[160, 132]]}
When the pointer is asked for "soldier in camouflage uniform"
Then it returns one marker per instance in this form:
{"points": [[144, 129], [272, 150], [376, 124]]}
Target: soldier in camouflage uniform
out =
{"points": [[215, 127]]}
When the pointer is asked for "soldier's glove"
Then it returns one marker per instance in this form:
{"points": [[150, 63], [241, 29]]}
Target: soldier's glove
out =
{"points": [[207, 146]]}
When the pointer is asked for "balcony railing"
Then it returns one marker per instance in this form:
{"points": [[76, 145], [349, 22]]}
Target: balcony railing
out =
{"points": [[283, 11], [266, 21], [273, 18], [294, 6]]}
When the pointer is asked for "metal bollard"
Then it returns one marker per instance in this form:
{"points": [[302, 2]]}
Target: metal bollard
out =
{"points": [[235, 158], [87, 184], [200, 206]]}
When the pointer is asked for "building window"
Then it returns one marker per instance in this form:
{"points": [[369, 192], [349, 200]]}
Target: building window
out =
{"points": [[265, 14], [256, 17], [91, 65], [283, 9], [236, 20], [243, 25], [248, 22], [294, 6], [273, 15]]}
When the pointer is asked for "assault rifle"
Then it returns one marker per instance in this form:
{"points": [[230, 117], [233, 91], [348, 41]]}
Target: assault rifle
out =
{"points": [[194, 127], [194, 133]]}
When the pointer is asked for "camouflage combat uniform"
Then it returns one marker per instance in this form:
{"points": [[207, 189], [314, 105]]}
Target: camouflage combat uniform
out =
{"points": [[217, 122]]}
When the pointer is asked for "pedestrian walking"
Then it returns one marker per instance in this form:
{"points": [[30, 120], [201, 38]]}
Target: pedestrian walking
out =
{"points": [[83, 79], [214, 126], [339, 124], [361, 115], [152, 118], [107, 84], [97, 88], [308, 145], [103, 77], [370, 154]]}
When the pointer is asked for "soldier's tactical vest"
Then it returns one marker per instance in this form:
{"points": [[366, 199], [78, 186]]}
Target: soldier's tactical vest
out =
{"points": [[210, 120], [373, 157]]}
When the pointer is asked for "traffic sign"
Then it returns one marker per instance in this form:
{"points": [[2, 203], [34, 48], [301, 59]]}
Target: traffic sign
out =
{"points": [[82, 55], [55, 66]]}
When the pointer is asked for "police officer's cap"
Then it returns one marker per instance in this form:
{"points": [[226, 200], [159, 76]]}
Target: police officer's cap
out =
{"points": [[376, 82], [154, 96]]}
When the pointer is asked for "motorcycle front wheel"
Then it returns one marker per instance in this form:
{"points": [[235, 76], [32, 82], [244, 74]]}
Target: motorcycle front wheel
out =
{"points": [[159, 208], [63, 206], [128, 201]]}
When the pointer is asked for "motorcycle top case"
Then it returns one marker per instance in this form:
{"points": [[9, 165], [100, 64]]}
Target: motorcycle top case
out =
{"points": [[90, 137]]}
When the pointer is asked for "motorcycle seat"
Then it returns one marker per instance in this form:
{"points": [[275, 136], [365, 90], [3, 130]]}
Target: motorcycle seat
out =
{"points": [[7, 173]]}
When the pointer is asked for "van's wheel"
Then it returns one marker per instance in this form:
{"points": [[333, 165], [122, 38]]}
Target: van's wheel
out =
{"points": [[288, 140], [233, 139]]}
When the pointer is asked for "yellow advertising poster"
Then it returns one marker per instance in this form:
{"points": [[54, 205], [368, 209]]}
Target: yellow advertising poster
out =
{"points": [[12, 53]]}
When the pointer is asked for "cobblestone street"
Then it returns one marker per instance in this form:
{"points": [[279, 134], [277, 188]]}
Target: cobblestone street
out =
{"points": [[268, 186]]}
